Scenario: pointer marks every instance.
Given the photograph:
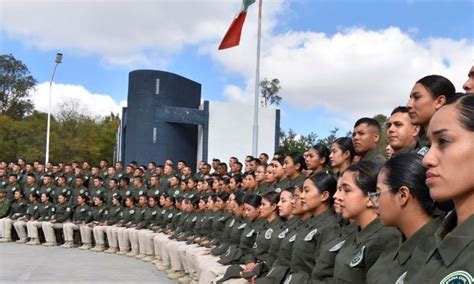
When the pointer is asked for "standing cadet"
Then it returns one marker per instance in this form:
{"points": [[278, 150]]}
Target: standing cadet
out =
{"points": [[3, 178], [449, 176], [77, 191], [360, 252], [61, 215], [341, 156], [401, 133], [366, 138]]}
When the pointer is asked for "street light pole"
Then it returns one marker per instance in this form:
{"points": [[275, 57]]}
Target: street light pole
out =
{"points": [[59, 57]]}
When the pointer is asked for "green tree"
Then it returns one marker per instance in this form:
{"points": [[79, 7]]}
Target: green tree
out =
{"points": [[269, 91], [15, 84], [382, 120]]}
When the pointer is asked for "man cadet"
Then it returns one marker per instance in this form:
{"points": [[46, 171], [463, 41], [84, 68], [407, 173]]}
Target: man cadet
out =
{"points": [[97, 188], [48, 185], [30, 185], [103, 165], [4, 207], [78, 189], [62, 187], [69, 174], [111, 192], [3, 178], [167, 174], [366, 138], [401, 132], [12, 186], [119, 171], [154, 189], [138, 189], [40, 173], [17, 210]]}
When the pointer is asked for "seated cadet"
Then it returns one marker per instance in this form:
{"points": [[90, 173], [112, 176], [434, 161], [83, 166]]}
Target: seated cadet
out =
{"points": [[20, 224], [42, 215], [113, 232], [366, 138], [124, 232], [98, 217], [449, 176], [112, 215], [61, 215], [361, 251], [293, 166], [319, 230], [234, 254], [5, 205], [403, 200], [82, 215], [144, 227]]}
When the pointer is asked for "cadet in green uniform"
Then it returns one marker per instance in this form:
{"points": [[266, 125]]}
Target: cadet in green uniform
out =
{"points": [[449, 176], [294, 167], [113, 234], [403, 201], [42, 215], [61, 187], [61, 215], [112, 215], [98, 217], [341, 156], [317, 158], [12, 186], [17, 210], [48, 185], [281, 181], [30, 185], [366, 138], [319, 230], [124, 234], [154, 189], [82, 215], [401, 132], [362, 250], [137, 237], [5, 205], [3, 179], [78, 190], [97, 189], [20, 224]]}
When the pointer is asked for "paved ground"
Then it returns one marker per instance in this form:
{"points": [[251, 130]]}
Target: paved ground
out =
{"points": [[24, 263]]}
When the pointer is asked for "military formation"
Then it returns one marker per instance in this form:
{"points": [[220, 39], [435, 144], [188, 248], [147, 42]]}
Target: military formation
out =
{"points": [[343, 214]]}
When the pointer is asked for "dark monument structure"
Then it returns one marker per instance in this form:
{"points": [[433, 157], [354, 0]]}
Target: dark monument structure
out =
{"points": [[162, 116]]}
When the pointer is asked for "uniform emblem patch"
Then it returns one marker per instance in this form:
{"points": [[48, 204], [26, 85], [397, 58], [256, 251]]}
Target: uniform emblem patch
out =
{"points": [[401, 279], [338, 246], [268, 234], [283, 234], [250, 233], [458, 277], [242, 226], [310, 235], [358, 257], [232, 223], [293, 238]]}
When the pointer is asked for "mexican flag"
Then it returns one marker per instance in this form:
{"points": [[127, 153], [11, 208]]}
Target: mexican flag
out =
{"points": [[232, 36]]}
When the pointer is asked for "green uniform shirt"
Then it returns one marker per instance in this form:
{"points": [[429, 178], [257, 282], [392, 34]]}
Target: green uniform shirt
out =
{"points": [[98, 214], [31, 210], [260, 249], [82, 214], [45, 212], [28, 189], [399, 260], [5, 205], [297, 181], [11, 188], [3, 182], [59, 190], [287, 228], [113, 215], [149, 216], [62, 212], [324, 268], [362, 250], [374, 156], [451, 257], [127, 216], [310, 238]]}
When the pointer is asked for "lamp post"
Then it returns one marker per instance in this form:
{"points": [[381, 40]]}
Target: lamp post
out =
{"points": [[59, 57]]}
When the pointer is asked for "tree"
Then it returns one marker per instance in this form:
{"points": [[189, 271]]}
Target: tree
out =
{"points": [[15, 84], [382, 120], [269, 91]]}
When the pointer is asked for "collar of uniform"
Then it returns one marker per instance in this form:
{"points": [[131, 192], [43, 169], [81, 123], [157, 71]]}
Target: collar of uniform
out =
{"points": [[320, 218], [405, 150], [371, 229], [370, 155], [406, 248], [456, 238]]}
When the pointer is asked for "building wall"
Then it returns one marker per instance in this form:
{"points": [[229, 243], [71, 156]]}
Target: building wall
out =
{"points": [[231, 130]]}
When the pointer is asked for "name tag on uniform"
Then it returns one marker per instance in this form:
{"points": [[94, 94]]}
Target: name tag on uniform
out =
{"points": [[153, 213], [221, 219], [338, 246], [401, 279], [358, 257], [283, 234], [250, 233], [232, 223], [83, 209], [310, 235], [170, 215], [268, 234], [194, 219], [242, 226]]}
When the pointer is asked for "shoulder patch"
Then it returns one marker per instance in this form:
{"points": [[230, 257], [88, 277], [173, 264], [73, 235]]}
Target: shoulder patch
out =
{"points": [[458, 277], [242, 226], [268, 234], [232, 223], [283, 234], [250, 233], [292, 239], [401, 279], [358, 257], [338, 246], [310, 235]]}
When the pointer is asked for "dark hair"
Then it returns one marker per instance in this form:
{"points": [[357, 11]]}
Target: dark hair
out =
{"points": [[402, 109], [99, 178], [345, 144], [194, 200], [239, 198], [132, 199], [171, 198], [47, 195], [323, 152], [273, 197], [325, 182], [297, 158], [100, 197], [33, 194], [438, 86], [223, 196], [370, 122], [280, 160], [84, 196], [64, 194], [117, 197], [365, 175], [253, 200], [237, 178], [140, 178], [290, 189], [407, 170], [465, 107], [213, 197], [125, 179], [153, 163], [264, 154]]}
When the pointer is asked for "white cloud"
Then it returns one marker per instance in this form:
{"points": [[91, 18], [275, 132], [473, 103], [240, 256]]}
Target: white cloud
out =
{"points": [[357, 72], [90, 104], [122, 32]]}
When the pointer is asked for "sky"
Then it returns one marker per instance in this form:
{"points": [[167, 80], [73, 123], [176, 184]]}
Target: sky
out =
{"points": [[336, 60]]}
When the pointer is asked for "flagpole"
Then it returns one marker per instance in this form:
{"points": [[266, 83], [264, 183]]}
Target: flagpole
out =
{"points": [[257, 84]]}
